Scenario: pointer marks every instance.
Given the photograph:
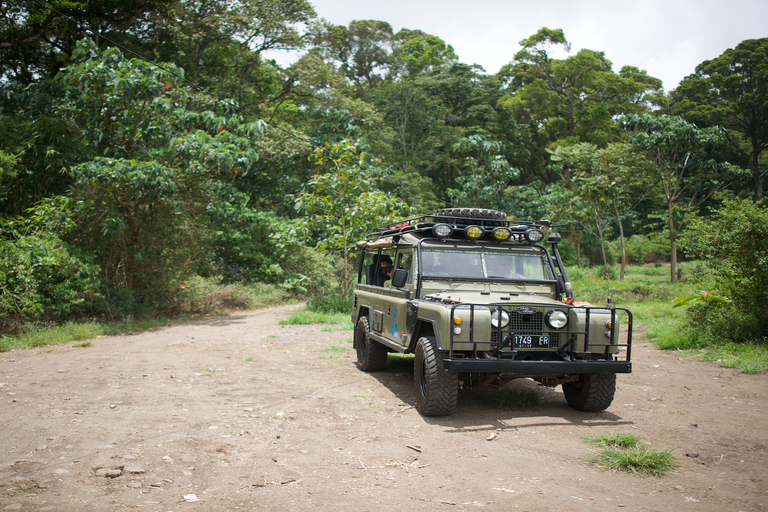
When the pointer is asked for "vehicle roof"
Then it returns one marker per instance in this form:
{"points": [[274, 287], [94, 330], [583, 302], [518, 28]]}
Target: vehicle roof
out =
{"points": [[411, 231]]}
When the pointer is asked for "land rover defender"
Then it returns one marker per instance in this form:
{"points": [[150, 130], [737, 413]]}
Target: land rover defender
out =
{"points": [[480, 300]]}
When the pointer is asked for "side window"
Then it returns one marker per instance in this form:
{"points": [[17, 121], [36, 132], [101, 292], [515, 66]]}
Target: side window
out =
{"points": [[374, 265], [369, 268], [405, 262]]}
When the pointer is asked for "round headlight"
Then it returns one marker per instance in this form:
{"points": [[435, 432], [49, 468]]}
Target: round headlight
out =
{"points": [[534, 235], [499, 318], [474, 232], [442, 230], [501, 234], [557, 319]]}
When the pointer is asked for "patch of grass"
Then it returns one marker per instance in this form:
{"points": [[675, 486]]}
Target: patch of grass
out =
{"points": [[83, 344], [615, 440], [307, 317], [248, 359], [397, 360], [516, 398], [636, 460], [748, 358], [336, 348], [9, 343], [40, 336]]}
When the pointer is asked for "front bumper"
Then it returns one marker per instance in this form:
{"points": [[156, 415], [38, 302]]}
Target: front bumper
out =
{"points": [[535, 368]]}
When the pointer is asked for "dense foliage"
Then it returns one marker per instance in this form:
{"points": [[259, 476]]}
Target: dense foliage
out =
{"points": [[146, 145], [733, 243]]}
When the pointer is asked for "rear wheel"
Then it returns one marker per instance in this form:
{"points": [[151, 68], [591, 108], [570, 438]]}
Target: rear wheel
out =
{"points": [[436, 389], [371, 355], [592, 392]]}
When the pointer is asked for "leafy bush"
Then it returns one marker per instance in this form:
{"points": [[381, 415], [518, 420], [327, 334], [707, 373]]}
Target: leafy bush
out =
{"points": [[642, 249], [334, 302], [42, 278], [205, 295], [733, 243]]}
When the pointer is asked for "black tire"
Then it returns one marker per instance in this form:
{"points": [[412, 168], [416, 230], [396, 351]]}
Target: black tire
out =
{"points": [[592, 392], [371, 355], [436, 389], [450, 214]]}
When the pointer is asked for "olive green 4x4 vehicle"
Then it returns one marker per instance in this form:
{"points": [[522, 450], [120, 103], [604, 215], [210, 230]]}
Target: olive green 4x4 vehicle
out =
{"points": [[480, 300]]}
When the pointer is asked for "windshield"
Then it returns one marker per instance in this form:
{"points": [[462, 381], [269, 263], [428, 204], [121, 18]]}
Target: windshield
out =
{"points": [[486, 264]]}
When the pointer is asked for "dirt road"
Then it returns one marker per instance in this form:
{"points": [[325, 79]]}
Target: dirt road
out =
{"points": [[240, 413]]}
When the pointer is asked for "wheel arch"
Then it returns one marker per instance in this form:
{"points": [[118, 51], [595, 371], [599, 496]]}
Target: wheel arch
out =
{"points": [[422, 329], [363, 312]]}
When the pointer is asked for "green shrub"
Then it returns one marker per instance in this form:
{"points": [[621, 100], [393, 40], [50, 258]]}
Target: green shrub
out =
{"points": [[333, 302], [642, 249], [733, 243], [42, 278], [200, 295]]}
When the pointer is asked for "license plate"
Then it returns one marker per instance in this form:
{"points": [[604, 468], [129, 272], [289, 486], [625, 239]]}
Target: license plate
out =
{"points": [[530, 341]]}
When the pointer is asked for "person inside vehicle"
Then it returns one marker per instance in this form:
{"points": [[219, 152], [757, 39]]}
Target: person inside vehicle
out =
{"points": [[502, 266], [388, 273], [384, 272]]}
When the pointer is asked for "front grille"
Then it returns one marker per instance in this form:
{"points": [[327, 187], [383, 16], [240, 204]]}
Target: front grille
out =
{"points": [[524, 320], [521, 323]]}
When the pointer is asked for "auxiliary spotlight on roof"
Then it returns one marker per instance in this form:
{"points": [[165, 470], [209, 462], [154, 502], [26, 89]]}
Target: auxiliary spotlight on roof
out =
{"points": [[534, 235], [474, 232], [442, 230], [501, 234]]}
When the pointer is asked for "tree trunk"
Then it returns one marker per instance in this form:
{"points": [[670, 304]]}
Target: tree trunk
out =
{"points": [[672, 244], [346, 257], [577, 241], [757, 177], [623, 245], [602, 245]]}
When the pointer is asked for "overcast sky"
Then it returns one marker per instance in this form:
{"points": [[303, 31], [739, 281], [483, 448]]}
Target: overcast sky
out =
{"points": [[667, 38]]}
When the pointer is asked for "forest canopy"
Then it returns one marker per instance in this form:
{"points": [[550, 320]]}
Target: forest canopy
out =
{"points": [[145, 143]]}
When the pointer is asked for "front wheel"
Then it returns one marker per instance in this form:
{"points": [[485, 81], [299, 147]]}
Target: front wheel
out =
{"points": [[436, 389], [592, 392], [371, 355]]}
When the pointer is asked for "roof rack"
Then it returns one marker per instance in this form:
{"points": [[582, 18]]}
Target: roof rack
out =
{"points": [[425, 223]]}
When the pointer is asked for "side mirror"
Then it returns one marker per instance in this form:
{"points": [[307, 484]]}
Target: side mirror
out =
{"points": [[399, 277]]}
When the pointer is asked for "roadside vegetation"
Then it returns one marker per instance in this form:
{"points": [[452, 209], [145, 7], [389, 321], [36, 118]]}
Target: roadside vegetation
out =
{"points": [[201, 298]]}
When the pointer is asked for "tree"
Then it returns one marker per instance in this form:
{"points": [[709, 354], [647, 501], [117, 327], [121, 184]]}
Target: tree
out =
{"points": [[574, 99], [683, 167], [606, 179], [486, 174], [342, 204], [361, 51], [732, 91], [416, 52], [38, 38]]}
